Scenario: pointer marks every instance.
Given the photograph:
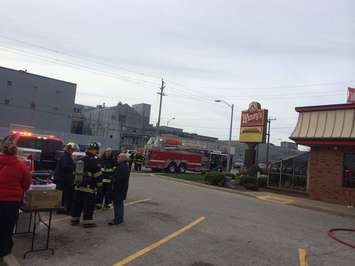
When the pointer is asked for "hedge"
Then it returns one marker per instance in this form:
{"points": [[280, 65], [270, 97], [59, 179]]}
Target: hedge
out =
{"points": [[214, 178], [253, 170], [217, 178], [250, 181], [262, 180], [244, 179]]}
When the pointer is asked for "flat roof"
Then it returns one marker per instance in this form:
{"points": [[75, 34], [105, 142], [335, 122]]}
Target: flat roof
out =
{"points": [[25, 72]]}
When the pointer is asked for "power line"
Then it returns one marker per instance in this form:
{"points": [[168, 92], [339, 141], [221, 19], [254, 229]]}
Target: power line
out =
{"points": [[79, 66], [285, 86], [89, 59], [71, 55], [199, 96]]}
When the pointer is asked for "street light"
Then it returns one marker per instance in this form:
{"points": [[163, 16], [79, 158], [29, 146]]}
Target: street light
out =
{"points": [[167, 123], [230, 130]]}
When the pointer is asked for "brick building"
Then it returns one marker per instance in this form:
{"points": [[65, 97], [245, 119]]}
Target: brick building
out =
{"points": [[330, 132]]}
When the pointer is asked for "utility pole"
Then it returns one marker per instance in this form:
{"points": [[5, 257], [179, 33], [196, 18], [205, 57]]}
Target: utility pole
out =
{"points": [[230, 132], [230, 140], [268, 139], [161, 93]]}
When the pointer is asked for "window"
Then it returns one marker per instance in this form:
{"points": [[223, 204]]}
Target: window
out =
{"points": [[7, 101], [349, 170], [77, 110], [46, 146], [33, 105], [113, 117], [122, 118], [57, 91], [9, 83]]}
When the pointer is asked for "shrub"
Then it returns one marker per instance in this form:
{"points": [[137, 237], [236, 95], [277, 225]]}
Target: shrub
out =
{"points": [[253, 170], [237, 180], [214, 178], [244, 179], [229, 174], [262, 181], [251, 187]]}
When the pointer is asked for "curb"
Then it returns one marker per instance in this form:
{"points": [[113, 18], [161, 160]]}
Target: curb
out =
{"points": [[205, 186], [250, 195], [319, 209]]}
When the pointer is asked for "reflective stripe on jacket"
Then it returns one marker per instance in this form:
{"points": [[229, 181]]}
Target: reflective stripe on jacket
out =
{"points": [[86, 189]]}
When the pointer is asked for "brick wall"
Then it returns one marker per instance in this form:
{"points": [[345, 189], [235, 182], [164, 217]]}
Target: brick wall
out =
{"points": [[326, 176]]}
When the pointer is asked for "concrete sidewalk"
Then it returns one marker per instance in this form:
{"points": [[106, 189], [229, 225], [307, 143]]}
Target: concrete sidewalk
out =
{"points": [[301, 201]]}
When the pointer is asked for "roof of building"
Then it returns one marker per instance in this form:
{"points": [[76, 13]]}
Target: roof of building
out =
{"points": [[39, 76], [325, 124], [328, 107]]}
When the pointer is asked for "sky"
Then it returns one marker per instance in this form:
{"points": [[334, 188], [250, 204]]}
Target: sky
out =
{"points": [[280, 53]]}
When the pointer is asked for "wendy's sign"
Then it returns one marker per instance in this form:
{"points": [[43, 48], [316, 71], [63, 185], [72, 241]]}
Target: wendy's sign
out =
{"points": [[253, 124], [252, 118]]}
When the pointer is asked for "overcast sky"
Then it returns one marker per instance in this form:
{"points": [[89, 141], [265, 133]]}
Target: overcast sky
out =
{"points": [[280, 53]]}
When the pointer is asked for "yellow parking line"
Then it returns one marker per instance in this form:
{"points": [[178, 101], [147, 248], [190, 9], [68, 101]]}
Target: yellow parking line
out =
{"points": [[302, 257], [158, 243], [275, 199], [68, 217], [137, 201]]}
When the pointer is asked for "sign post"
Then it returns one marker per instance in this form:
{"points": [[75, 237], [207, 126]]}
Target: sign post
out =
{"points": [[253, 130]]}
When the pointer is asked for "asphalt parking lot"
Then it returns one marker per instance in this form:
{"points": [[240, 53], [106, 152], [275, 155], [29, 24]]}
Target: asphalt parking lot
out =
{"points": [[170, 223]]}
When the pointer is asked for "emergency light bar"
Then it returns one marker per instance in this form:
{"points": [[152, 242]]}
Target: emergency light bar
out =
{"points": [[23, 133], [29, 134]]}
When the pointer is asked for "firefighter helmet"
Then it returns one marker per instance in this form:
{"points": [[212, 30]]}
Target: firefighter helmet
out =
{"points": [[93, 146], [71, 146]]}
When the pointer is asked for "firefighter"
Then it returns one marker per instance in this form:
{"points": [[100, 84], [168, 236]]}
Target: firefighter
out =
{"points": [[64, 176], [131, 160], [138, 161], [108, 166], [87, 176]]}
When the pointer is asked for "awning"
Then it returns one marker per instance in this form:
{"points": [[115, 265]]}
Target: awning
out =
{"points": [[327, 124]]}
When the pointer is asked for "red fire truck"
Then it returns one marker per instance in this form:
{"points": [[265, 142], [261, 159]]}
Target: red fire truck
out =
{"points": [[38, 151], [172, 154]]}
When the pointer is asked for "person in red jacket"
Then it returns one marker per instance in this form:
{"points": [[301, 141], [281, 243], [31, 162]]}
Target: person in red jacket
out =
{"points": [[15, 179]]}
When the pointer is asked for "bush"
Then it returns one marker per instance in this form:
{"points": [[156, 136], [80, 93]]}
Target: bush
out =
{"points": [[251, 187], [229, 174], [244, 179], [214, 178], [253, 170], [262, 181], [237, 179], [217, 178]]}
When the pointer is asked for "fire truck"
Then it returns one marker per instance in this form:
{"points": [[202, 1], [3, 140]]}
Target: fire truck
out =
{"points": [[39, 152], [177, 155]]}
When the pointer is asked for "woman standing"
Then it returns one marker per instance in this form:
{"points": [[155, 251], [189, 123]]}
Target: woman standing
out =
{"points": [[15, 179]]}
